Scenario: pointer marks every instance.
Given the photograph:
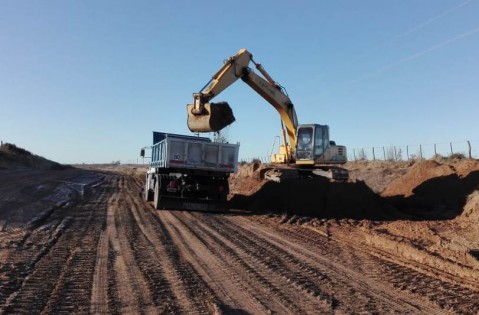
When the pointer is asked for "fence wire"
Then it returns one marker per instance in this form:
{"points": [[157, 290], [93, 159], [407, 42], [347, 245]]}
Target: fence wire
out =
{"points": [[466, 148]]}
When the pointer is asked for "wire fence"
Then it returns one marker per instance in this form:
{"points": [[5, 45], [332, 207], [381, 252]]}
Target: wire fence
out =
{"points": [[262, 159], [466, 148]]}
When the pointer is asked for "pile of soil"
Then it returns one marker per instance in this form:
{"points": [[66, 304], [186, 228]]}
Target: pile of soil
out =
{"points": [[377, 174], [317, 196], [471, 209], [434, 189], [13, 157], [415, 176], [429, 189]]}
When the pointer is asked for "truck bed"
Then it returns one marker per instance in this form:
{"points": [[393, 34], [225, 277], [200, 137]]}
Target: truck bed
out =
{"points": [[194, 153]]}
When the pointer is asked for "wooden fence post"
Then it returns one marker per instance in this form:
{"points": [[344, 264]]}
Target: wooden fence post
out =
{"points": [[407, 152], [450, 144], [435, 152], [354, 154], [384, 153], [374, 156], [420, 151], [470, 150]]}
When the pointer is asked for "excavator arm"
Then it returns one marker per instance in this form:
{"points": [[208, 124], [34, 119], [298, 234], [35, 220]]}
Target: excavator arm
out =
{"points": [[204, 116]]}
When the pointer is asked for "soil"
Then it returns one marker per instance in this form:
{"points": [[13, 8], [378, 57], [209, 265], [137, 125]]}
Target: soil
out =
{"points": [[396, 238]]}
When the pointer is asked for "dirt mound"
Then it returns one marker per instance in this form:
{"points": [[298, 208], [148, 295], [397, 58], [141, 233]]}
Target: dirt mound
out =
{"points": [[377, 174], [464, 167], [418, 174], [471, 209], [13, 157], [317, 197], [246, 181], [434, 189]]}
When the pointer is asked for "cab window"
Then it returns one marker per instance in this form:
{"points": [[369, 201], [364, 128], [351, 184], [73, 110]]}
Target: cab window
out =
{"points": [[305, 138], [319, 142]]}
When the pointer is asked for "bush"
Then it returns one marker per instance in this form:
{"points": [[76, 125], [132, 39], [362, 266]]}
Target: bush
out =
{"points": [[457, 156]]}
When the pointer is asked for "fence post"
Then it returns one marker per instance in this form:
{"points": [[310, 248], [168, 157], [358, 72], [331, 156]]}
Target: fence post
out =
{"points": [[420, 151], [435, 152], [354, 154], [374, 156], [384, 153], [470, 150], [450, 144], [395, 154], [407, 152]]}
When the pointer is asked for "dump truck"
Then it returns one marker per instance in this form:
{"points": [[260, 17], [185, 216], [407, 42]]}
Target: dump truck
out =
{"points": [[189, 172]]}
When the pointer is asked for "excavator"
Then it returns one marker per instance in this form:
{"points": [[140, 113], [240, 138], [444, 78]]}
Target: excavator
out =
{"points": [[305, 146]]}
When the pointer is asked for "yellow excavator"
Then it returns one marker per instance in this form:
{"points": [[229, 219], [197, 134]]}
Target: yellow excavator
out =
{"points": [[306, 145]]}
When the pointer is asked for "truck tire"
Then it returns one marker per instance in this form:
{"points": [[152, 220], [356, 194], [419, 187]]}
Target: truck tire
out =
{"points": [[226, 189], [157, 193]]}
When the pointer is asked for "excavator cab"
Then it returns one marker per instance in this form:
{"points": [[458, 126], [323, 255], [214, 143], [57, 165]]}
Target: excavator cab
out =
{"points": [[312, 143], [320, 150]]}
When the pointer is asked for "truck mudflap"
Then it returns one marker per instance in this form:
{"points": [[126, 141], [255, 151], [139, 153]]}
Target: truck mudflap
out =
{"points": [[178, 203]]}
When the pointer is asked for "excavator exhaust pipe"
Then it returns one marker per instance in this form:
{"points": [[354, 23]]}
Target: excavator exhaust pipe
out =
{"points": [[214, 117]]}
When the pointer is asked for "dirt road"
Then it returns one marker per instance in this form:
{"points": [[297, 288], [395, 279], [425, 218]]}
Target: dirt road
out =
{"points": [[105, 251]]}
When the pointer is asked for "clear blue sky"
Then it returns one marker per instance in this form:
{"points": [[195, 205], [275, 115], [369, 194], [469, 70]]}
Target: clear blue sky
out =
{"points": [[87, 81]]}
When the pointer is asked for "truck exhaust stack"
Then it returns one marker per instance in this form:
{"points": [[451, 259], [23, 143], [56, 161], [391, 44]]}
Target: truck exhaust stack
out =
{"points": [[214, 117]]}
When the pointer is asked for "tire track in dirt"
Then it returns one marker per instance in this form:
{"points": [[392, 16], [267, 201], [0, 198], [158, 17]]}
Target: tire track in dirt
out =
{"points": [[148, 266], [99, 295], [145, 271], [216, 272], [250, 278], [311, 273], [393, 273], [412, 278], [179, 284], [55, 282], [130, 285]]}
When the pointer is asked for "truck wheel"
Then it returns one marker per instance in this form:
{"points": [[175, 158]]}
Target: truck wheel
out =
{"points": [[156, 194], [226, 189]]}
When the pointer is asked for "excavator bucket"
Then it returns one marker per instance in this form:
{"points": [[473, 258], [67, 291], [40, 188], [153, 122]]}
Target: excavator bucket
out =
{"points": [[215, 117]]}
